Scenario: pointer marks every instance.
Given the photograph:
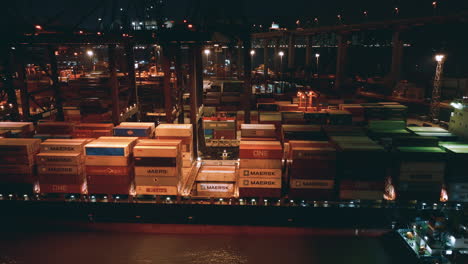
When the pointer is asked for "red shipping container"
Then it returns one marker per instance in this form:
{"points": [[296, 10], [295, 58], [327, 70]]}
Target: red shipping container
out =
{"points": [[260, 192], [108, 179], [82, 134], [16, 178], [260, 152], [94, 126], [61, 179], [226, 134], [257, 139], [108, 188], [102, 133], [109, 170], [62, 188]]}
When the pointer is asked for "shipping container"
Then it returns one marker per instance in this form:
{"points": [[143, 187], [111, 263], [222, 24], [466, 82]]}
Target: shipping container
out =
{"points": [[107, 161], [157, 171], [258, 130], [157, 190]]}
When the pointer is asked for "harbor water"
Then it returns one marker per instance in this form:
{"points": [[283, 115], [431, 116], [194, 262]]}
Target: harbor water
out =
{"points": [[116, 248]]}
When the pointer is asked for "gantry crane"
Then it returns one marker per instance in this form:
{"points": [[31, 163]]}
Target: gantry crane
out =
{"points": [[435, 101]]}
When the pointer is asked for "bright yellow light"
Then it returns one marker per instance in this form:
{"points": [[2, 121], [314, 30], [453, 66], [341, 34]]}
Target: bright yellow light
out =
{"points": [[439, 57], [252, 52], [207, 52], [90, 53]]}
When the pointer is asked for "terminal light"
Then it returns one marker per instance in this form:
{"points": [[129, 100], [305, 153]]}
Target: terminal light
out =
{"points": [[456, 105], [317, 55], [38, 27], [90, 53], [281, 53], [252, 52], [439, 57], [207, 52]]}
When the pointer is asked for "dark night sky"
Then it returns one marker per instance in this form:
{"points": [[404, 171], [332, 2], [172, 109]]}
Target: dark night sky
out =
{"points": [[68, 12]]}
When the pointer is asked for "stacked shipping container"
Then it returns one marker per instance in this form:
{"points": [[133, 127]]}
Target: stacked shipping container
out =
{"points": [[17, 129], [46, 130], [134, 129], [260, 173], [17, 164], [362, 168], [61, 166], [92, 130], [419, 167], [456, 179], [109, 166], [182, 132], [158, 168], [312, 170]]}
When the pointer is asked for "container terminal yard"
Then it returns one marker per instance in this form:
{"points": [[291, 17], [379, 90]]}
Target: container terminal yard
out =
{"points": [[201, 125]]}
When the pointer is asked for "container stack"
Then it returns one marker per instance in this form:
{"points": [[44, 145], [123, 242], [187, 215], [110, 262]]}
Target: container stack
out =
{"points": [[374, 111], [300, 132], [135, 129], [258, 132], [385, 111], [394, 111], [181, 132], [361, 168], [379, 129], [61, 130], [456, 180], [420, 168], [158, 167], [292, 117], [332, 131], [339, 118], [260, 173], [216, 181], [61, 166], [240, 117], [17, 129], [316, 118], [219, 129], [17, 164], [92, 130], [356, 110], [438, 132], [109, 166], [212, 98], [270, 118], [312, 170]]}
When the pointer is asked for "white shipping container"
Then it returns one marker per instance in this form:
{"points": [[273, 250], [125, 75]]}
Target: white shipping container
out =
{"points": [[156, 171], [174, 130], [267, 173], [155, 151], [157, 190], [215, 187], [259, 182]]}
